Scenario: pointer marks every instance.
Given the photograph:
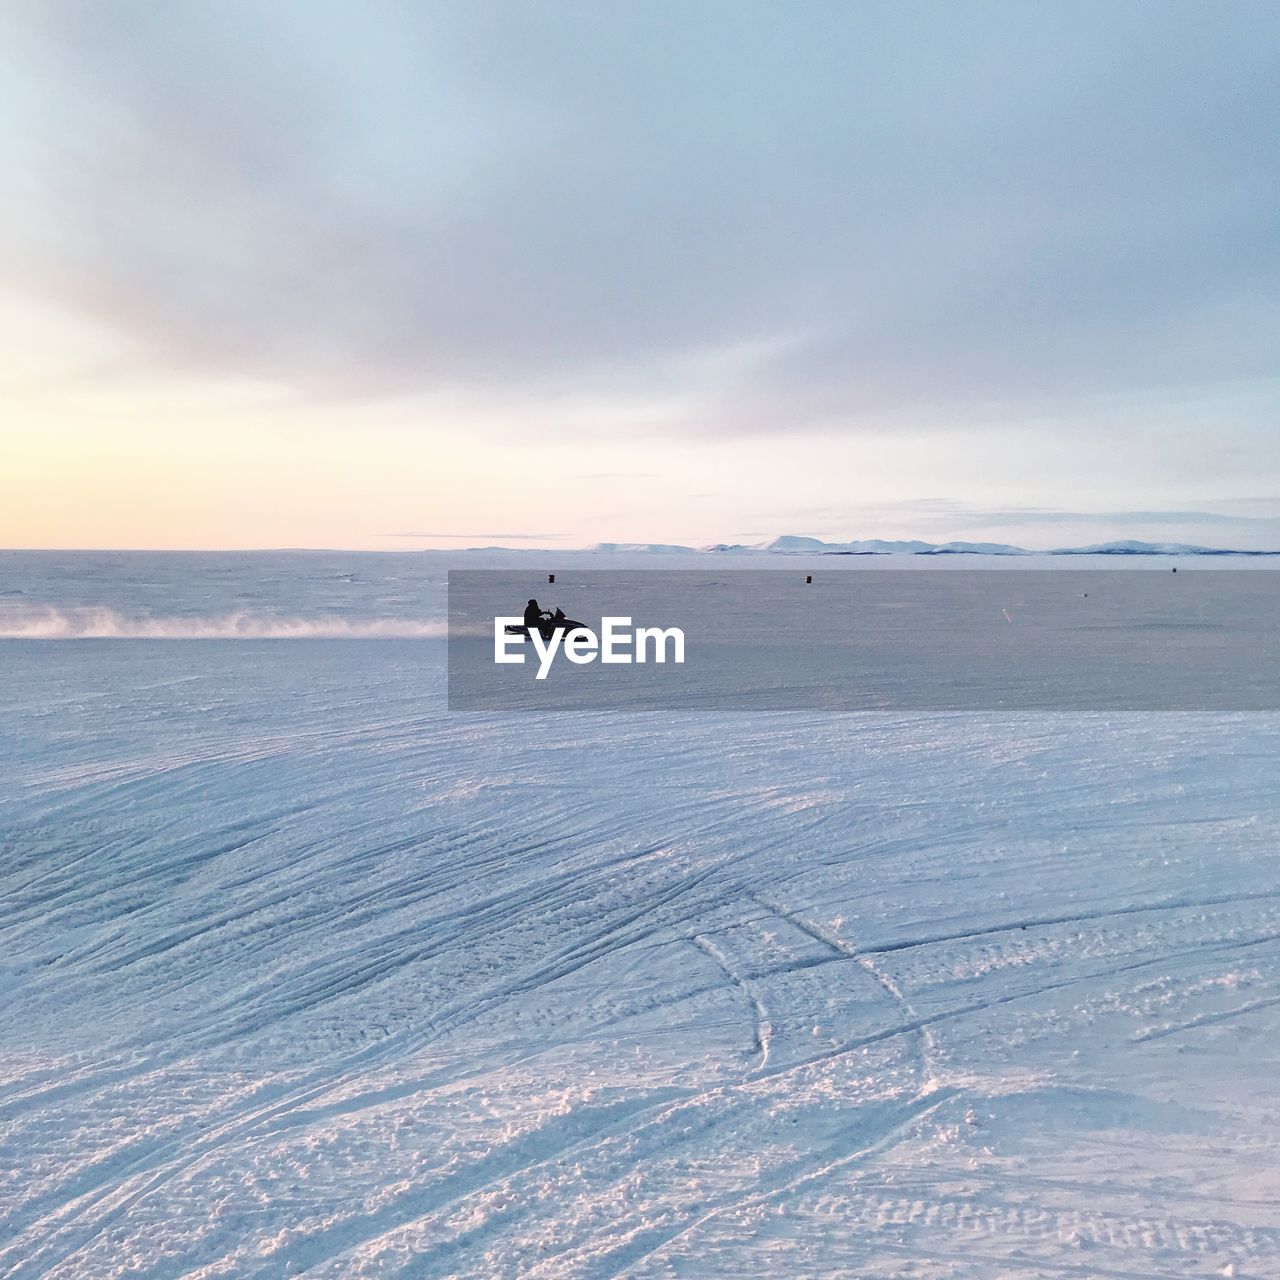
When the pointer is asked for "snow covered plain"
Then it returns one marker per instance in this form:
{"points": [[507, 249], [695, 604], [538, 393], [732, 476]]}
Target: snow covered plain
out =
{"points": [[301, 974]]}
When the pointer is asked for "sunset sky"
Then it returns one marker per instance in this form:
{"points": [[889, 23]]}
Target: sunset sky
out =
{"points": [[386, 275]]}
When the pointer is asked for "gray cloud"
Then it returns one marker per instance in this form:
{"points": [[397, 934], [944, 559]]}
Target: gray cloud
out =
{"points": [[951, 510], [783, 215]]}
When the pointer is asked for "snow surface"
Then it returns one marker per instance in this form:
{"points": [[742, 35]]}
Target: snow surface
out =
{"points": [[302, 975]]}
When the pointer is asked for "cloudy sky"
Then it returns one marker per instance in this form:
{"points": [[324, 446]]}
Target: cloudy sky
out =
{"points": [[402, 274]]}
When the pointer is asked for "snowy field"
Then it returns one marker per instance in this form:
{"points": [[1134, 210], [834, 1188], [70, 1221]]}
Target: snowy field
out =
{"points": [[301, 974]]}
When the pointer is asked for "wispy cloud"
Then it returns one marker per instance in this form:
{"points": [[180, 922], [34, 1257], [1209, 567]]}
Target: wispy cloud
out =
{"points": [[471, 537], [952, 511]]}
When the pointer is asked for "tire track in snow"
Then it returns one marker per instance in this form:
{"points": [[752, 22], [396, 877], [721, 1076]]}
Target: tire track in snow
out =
{"points": [[763, 1027], [649, 1245], [1205, 1020], [690, 1121], [1084, 917], [910, 1020]]}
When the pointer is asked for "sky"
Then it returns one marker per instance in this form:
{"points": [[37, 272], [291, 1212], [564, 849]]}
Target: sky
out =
{"points": [[388, 275]]}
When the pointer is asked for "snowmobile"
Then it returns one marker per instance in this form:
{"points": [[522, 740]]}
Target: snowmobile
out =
{"points": [[548, 626]]}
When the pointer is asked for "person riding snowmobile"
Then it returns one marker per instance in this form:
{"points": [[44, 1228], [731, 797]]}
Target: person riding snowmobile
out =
{"points": [[544, 621]]}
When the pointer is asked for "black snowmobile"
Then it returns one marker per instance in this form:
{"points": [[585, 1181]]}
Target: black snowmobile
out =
{"points": [[548, 626]]}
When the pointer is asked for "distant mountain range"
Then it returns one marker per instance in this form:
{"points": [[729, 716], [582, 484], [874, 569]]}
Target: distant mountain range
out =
{"points": [[792, 545]]}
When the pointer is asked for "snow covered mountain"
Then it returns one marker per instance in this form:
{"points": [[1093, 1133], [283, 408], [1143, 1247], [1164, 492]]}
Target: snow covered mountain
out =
{"points": [[1131, 548], [792, 544]]}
